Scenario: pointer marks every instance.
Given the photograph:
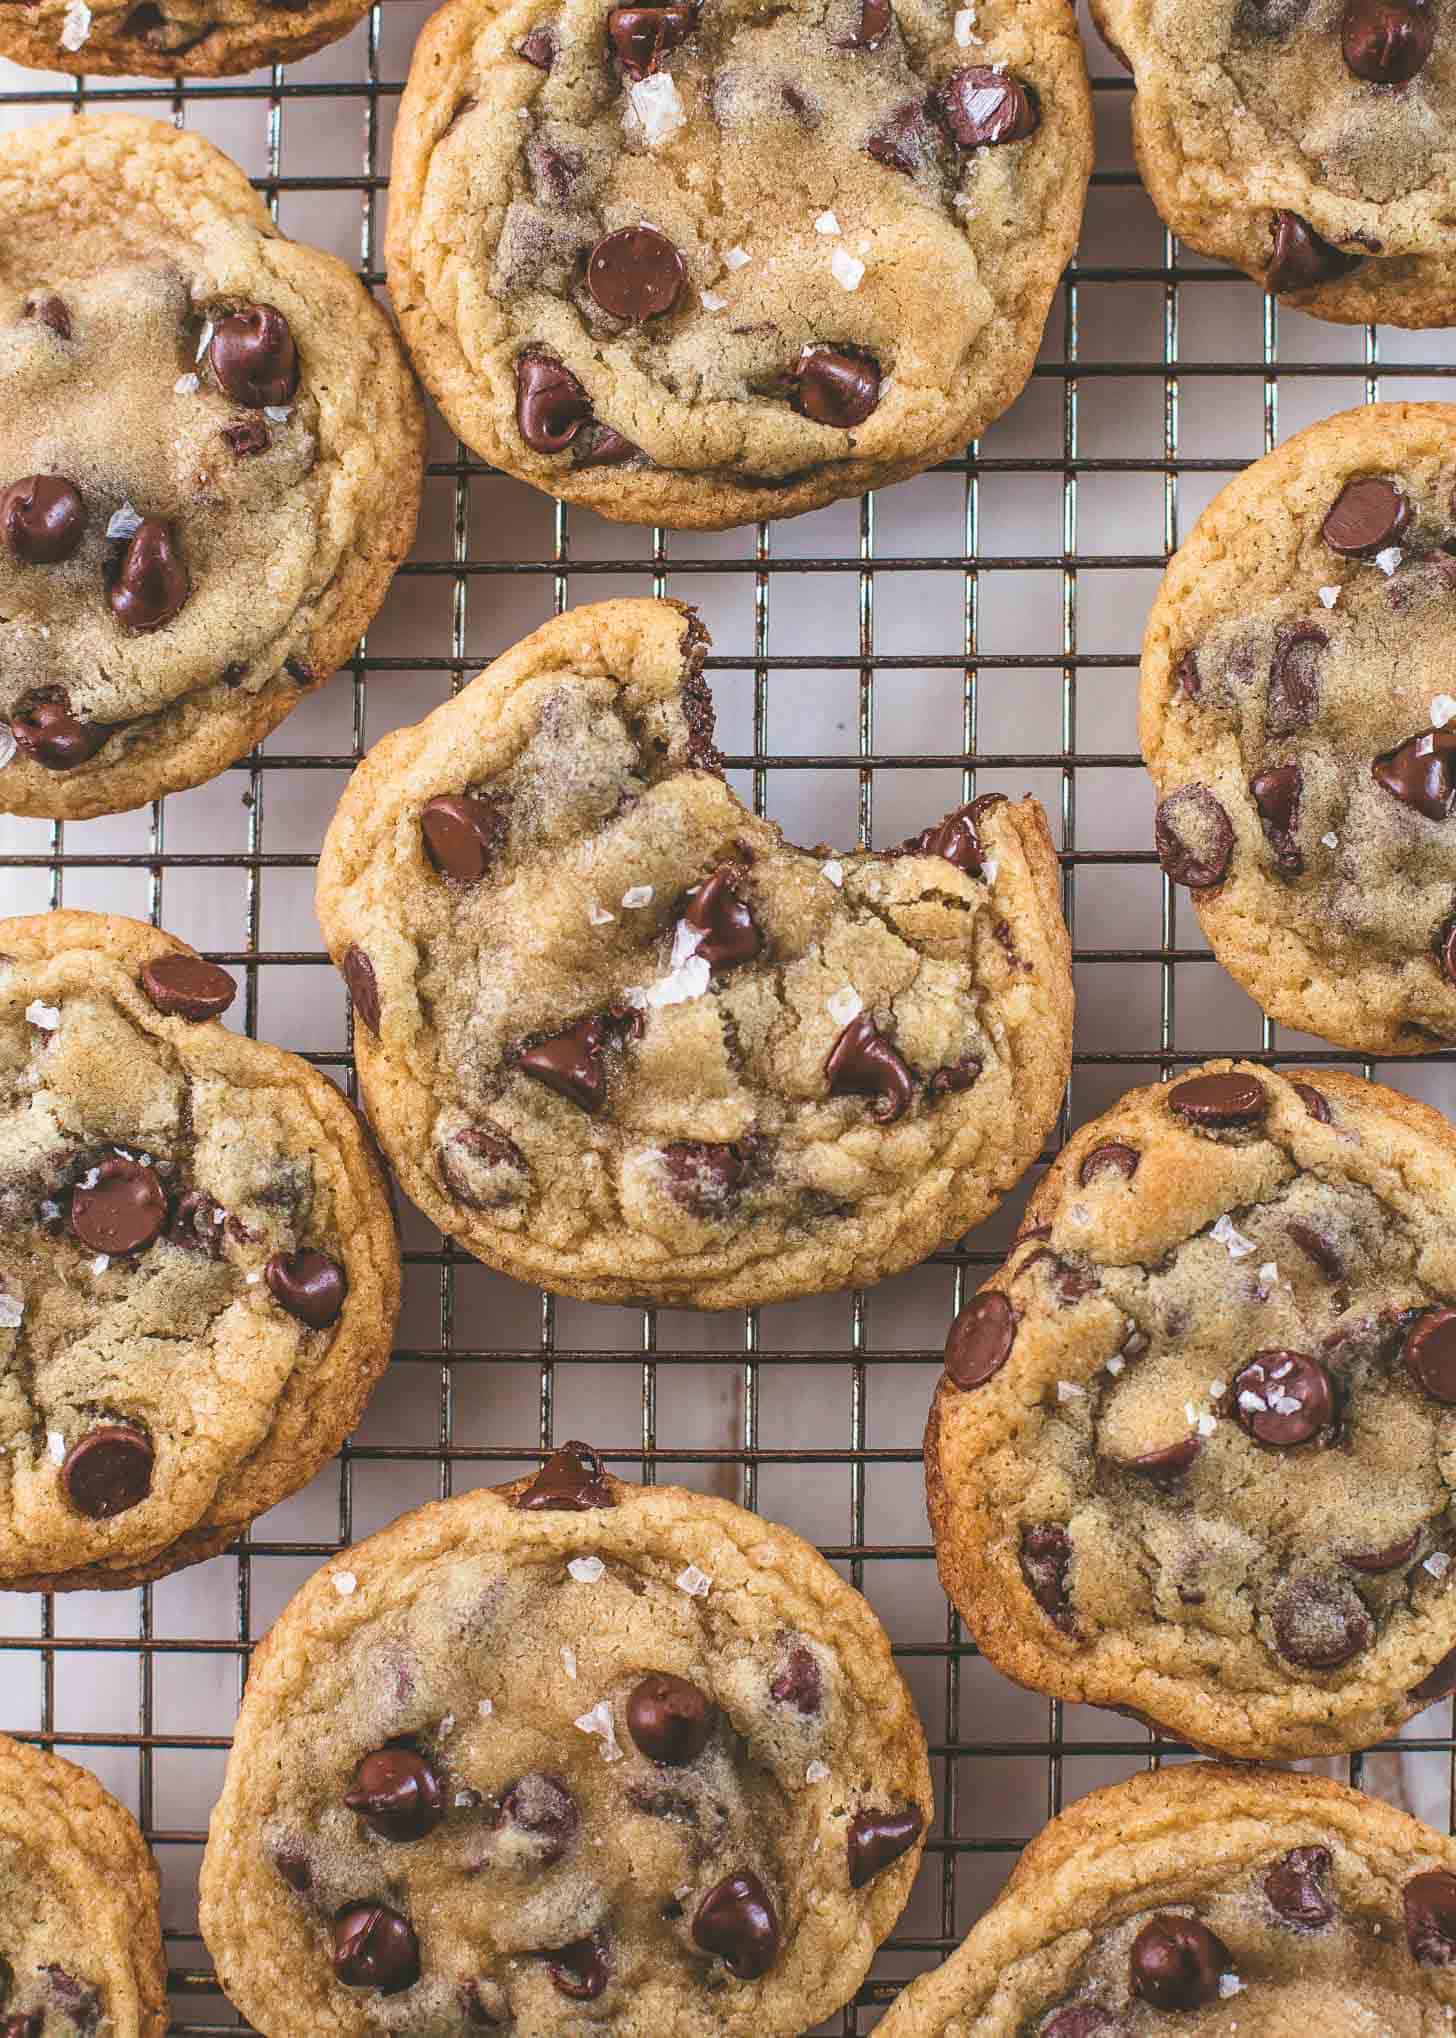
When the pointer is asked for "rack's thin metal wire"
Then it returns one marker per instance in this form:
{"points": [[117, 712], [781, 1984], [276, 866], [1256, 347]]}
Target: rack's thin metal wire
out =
{"points": [[955, 1751]]}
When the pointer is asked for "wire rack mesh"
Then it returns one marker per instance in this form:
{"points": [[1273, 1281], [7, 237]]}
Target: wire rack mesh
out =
{"points": [[875, 663]]}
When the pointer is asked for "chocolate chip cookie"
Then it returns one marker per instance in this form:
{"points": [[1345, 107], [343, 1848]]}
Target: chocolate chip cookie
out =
{"points": [[621, 1039], [1192, 1452], [198, 1267], [210, 461], [1295, 702], [170, 38], [80, 1933], [1204, 1901], [704, 262], [568, 1754], [1311, 143]]}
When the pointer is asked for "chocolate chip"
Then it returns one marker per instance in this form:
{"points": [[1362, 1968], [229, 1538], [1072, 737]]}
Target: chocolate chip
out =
{"points": [[1070, 1282], [957, 838], [1446, 948], [600, 446], [254, 358], [958, 1076], [899, 141], [23, 2025], [362, 984], [186, 987], [875, 17], [980, 1339], [1294, 687], [736, 1920], [642, 36], [551, 405], [716, 910], [572, 1478], [1438, 1682], [538, 47], [397, 1793], [669, 1719], [1112, 1157], [1313, 1101], [703, 1178], [309, 1285], [79, 2001], [1318, 1248], [1170, 1463], [797, 1683], [980, 107], [1194, 837], [196, 1224], [1081, 2020], [1276, 795], [635, 274], [1421, 772], [1187, 681], [1368, 514], [875, 1839], [1391, 1558], [1301, 259], [248, 437], [51, 735], [862, 1063], [470, 1151], [837, 386], [1430, 1354], [1046, 1559], [582, 1969], [462, 835], [152, 581], [1387, 42], [544, 1810], [109, 1470], [1224, 1099], [1276, 1379], [122, 1211], [1430, 1917], [43, 519], [1293, 1888], [51, 311], [374, 1947], [1320, 1623], [1176, 1963], [570, 1063]]}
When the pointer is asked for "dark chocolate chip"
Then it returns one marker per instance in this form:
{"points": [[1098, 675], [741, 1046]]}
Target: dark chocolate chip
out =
{"points": [[736, 1920], [186, 987], [51, 735], [1294, 686], [875, 1839], [196, 1224], [1293, 1887], [642, 36], [959, 1075], [43, 519], [797, 1683], [701, 1177], [980, 1339], [1169, 1464], [374, 1947], [538, 47], [309, 1285], [957, 838], [862, 1063], [1112, 1157], [600, 446], [572, 1478], [582, 1969], [635, 274], [248, 437], [80, 2003], [1276, 795], [1368, 514], [551, 405], [1071, 1283], [363, 985], [669, 1719], [109, 1470], [1438, 1682], [544, 1809], [980, 107], [716, 910], [1313, 1101], [254, 358], [837, 386], [23, 2025], [1430, 1917], [570, 1063], [462, 835], [1195, 838], [1430, 1354], [470, 1147], [1392, 1558], [51, 311], [875, 17], [1387, 42], [1301, 259], [152, 581], [122, 1211], [1446, 948], [1046, 1560], [899, 141], [1320, 1622], [1224, 1099], [1318, 1248], [1276, 1379], [1187, 681], [397, 1793], [1176, 1963], [1421, 772]]}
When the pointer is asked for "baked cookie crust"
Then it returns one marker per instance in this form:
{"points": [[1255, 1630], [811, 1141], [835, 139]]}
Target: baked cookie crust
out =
{"points": [[173, 38]]}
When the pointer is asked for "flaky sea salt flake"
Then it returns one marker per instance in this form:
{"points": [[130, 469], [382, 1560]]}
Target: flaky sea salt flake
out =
{"points": [[1330, 839], [989, 869], [277, 413], [817, 1772], [965, 25], [485, 1708], [846, 269], [1329, 596], [76, 26], [12, 1312], [7, 745], [658, 110], [204, 339], [599, 916], [186, 385], [46, 1017], [683, 984], [693, 1582], [833, 872], [101, 1262], [1438, 1563], [1225, 1234], [586, 1570], [1443, 707], [56, 1446], [345, 1583], [735, 258], [568, 1660], [1230, 1985], [1115, 1364], [827, 223], [712, 301], [637, 895], [599, 1721], [845, 1005], [1268, 1276], [1389, 559], [1206, 1425], [1068, 1390], [123, 523]]}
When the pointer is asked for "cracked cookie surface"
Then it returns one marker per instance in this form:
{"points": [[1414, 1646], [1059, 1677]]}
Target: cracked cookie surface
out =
{"points": [[1193, 1452], [1309, 142], [211, 457], [621, 1039], [566, 1754], [80, 1931], [1295, 700], [198, 1267], [699, 264], [1207, 1901], [170, 38]]}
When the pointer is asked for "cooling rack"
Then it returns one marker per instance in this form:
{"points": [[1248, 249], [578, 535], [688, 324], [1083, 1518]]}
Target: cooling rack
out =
{"points": [[873, 664]]}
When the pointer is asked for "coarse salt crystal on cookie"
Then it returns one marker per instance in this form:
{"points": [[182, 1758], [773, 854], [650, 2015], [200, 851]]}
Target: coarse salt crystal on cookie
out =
{"points": [[599, 1721], [845, 1005], [586, 1570], [693, 1582], [46, 1017], [345, 1583], [657, 109], [847, 269]]}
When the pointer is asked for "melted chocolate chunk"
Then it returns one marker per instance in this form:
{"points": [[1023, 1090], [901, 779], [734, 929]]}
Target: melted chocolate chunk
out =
{"points": [[152, 582], [1294, 682], [1391, 1558], [572, 1478], [1194, 837], [1046, 1559], [363, 986], [1430, 1354], [462, 835], [875, 17], [47, 732], [374, 1947], [551, 405], [721, 916], [196, 1224], [1283, 1399], [1318, 1248], [980, 1339], [51, 311], [248, 437], [1294, 1888], [980, 108], [309, 1285], [900, 141], [397, 1793], [1387, 42], [79, 2001], [798, 1683], [582, 1969], [1320, 1622], [877, 1838], [538, 47], [109, 1471], [862, 1063], [1164, 1467], [123, 1210], [42, 519], [669, 1719], [641, 37], [186, 987], [1301, 259], [1187, 681], [957, 838], [1220, 1101], [1176, 1963], [570, 1063], [1071, 1283], [1430, 1917], [636, 274], [1112, 1157], [837, 386], [736, 1920], [1421, 773], [1313, 1101], [960, 1075], [254, 358], [1438, 1682], [490, 1150], [1368, 514], [703, 1178]]}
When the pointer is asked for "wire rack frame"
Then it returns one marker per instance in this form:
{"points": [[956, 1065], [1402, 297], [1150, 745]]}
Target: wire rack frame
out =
{"points": [[201, 2008]]}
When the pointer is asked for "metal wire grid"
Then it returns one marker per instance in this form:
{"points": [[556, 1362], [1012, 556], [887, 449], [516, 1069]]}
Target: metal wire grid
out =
{"points": [[979, 1730]]}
